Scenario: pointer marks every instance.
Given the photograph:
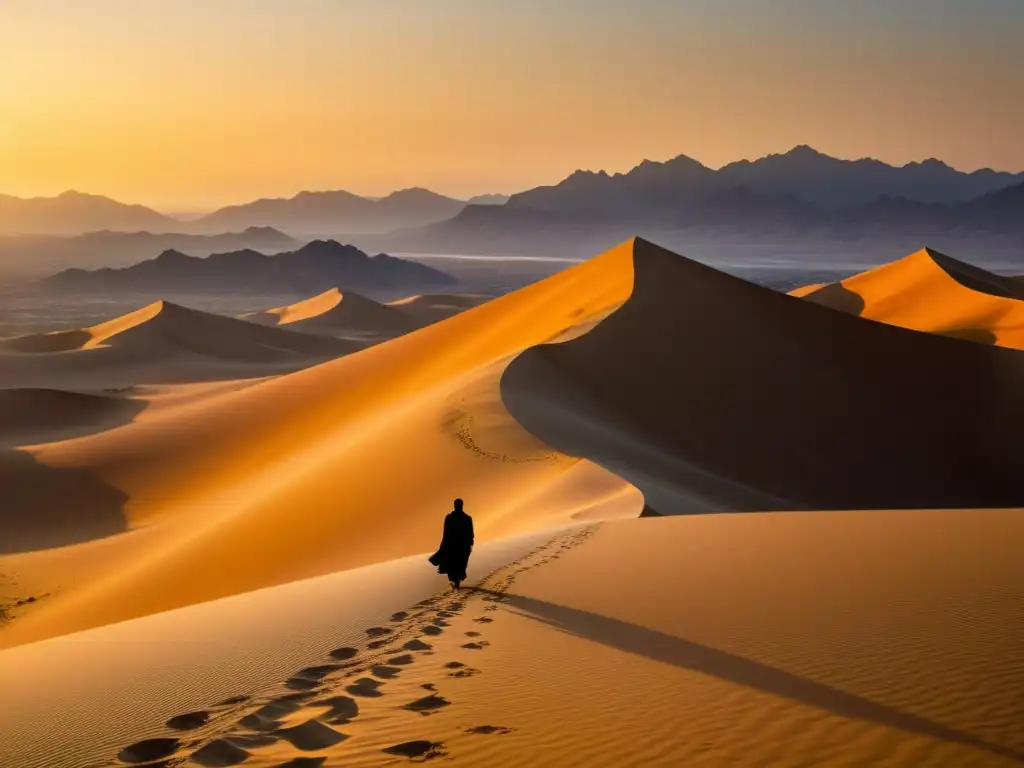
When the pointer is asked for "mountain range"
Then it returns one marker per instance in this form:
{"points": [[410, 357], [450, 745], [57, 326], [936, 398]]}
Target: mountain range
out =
{"points": [[315, 267], [801, 194], [803, 174], [307, 214], [37, 255]]}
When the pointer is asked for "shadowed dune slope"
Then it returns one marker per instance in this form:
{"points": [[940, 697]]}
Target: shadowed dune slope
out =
{"points": [[928, 291], [158, 343], [351, 462], [713, 394], [30, 416], [334, 311]]}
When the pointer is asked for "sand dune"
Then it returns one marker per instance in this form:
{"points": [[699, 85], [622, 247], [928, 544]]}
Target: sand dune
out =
{"points": [[30, 416], [431, 307], [158, 343], [710, 394], [928, 291], [334, 312], [147, 541], [860, 638], [299, 475]]}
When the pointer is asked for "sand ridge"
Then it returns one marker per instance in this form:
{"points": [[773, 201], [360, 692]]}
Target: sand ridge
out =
{"points": [[307, 487], [161, 342], [751, 400], [336, 312], [929, 291]]}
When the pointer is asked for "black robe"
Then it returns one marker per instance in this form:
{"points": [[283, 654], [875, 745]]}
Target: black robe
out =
{"points": [[456, 543]]}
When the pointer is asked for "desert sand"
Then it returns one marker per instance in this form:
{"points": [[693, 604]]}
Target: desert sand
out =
{"points": [[848, 639], [298, 475], [231, 571], [929, 291], [754, 400], [337, 313], [159, 343]]}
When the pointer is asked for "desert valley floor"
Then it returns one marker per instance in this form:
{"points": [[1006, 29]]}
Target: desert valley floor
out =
{"points": [[717, 525]]}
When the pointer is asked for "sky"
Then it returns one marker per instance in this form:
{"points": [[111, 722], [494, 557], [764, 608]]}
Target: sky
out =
{"points": [[192, 104]]}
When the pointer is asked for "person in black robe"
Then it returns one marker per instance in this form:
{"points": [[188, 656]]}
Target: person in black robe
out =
{"points": [[452, 556]]}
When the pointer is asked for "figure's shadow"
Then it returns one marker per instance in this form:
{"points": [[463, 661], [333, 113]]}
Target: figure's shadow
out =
{"points": [[690, 655]]}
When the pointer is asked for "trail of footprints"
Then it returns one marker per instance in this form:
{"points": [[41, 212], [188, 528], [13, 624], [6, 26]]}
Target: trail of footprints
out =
{"points": [[333, 693]]}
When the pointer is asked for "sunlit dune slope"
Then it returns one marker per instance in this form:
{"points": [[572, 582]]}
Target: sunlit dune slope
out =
{"points": [[881, 638], [351, 462], [430, 307], [928, 291], [160, 342], [334, 311], [710, 393]]}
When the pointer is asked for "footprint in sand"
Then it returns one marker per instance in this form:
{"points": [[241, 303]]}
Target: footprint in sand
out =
{"points": [[491, 608], [430, 629], [428, 687], [384, 672], [483, 620], [477, 646], [343, 654], [311, 736], [487, 730], [310, 677], [458, 669], [378, 631], [399, 616], [340, 709], [253, 740], [365, 687], [149, 750], [375, 644], [189, 721], [267, 717], [219, 753], [472, 634], [426, 750], [401, 661], [417, 645], [303, 762], [428, 704]]}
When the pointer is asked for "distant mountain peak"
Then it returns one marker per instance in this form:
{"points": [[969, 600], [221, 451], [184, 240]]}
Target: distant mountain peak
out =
{"points": [[172, 254], [806, 151]]}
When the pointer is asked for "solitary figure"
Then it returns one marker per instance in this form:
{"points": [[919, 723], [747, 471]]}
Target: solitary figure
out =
{"points": [[452, 556]]}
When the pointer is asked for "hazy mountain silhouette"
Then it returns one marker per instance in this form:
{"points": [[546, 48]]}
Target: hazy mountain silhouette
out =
{"points": [[490, 199], [73, 213], [313, 268], [338, 212], [40, 255], [802, 173], [716, 220]]}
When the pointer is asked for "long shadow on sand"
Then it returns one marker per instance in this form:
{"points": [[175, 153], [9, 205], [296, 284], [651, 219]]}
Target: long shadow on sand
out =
{"points": [[43, 507], [737, 669]]}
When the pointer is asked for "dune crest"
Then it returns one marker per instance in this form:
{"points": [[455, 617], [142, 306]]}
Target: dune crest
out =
{"points": [[161, 342], [298, 475], [931, 292], [336, 312], [713, 394]]}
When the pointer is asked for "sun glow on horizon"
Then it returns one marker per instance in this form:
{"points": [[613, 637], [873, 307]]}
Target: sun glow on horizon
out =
{"points": [[192, 105]]}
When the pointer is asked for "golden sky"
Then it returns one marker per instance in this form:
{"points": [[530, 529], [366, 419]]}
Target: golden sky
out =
{"points": [[198, 103]]}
